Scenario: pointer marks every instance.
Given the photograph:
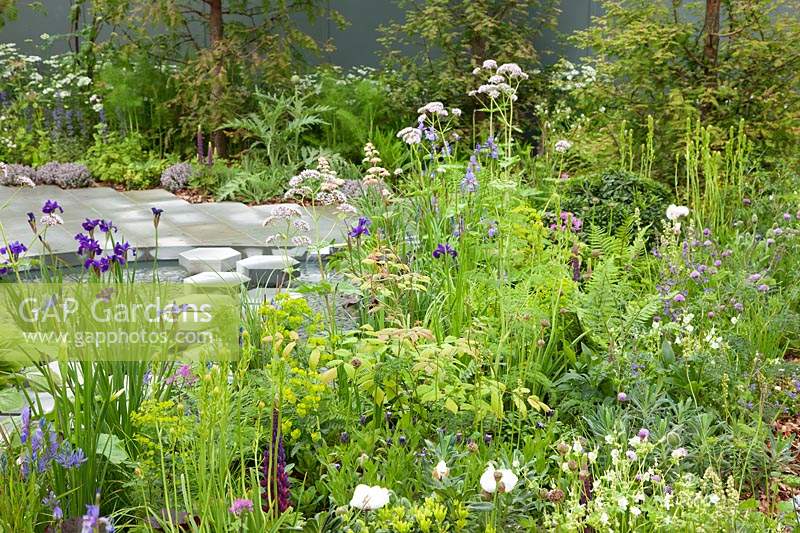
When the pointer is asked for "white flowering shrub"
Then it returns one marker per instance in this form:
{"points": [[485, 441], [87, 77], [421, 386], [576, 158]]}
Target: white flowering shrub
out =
{"points": [[48, 107]]}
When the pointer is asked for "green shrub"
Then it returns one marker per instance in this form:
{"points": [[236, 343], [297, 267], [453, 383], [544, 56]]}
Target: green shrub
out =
{"points": [[655, 58], [613, 196], [121, 160]]}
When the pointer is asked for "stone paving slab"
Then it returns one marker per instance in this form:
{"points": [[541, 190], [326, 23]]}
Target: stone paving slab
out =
{"points": [[183, 225]]}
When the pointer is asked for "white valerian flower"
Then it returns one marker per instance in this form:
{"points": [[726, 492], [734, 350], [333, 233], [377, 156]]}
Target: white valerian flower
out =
{"points": [[674, 212], [455, 111], [577, 447], [476, 71], [562, 146], [493, 480], [592, 456], [410, 135], [512, 70], [489, 64], [622, 501], [435, 108], [52, 219], [635, 511], [713, 498], [440, 471], [369, 498], [496, 79]]}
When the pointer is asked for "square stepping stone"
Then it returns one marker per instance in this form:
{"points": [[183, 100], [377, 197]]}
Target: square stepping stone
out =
{"points": [[266, 270], [226, 279], [209, 260]]}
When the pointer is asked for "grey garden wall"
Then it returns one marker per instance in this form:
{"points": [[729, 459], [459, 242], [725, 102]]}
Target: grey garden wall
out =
{"points": [[355, 45]]}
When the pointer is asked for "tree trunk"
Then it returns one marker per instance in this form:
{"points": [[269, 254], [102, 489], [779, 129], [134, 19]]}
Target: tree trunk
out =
{"points": [[711, 48], [711, 51], [216, 31]]}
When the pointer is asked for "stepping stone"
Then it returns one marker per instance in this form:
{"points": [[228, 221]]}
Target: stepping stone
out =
{"points": [[209, 260], [266, 270], [228, 279], [266, 294], [298, 253]]}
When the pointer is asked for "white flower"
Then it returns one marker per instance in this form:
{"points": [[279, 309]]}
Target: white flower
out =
{"points": [[301, 240], [347, 209], [562, 146], [476, 71], [622, 501], [440, 471], [679, 453], [410, 135], [496, 79], [52, 220], [301, 225], [734, 320], [83, 81], [577, 447], [592, 456], [635, 511], [503, 479], [604, 518], [455, 111], [634, 441], [713, 498], [25, 181], [512, 70], [436, 108], [490, 64], [369, 498], [674, 212]]}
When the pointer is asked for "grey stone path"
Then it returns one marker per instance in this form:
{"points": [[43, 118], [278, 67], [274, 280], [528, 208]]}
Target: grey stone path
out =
{"points": [[183, 225]]}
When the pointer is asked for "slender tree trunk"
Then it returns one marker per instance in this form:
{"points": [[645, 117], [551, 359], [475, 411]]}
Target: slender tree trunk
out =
{"points": [[216, 30], [711, 49], [74, 26]]}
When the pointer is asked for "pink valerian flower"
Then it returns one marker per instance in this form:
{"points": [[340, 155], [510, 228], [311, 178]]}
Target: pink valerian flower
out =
{"points": [[241, 505], [301, 240]]}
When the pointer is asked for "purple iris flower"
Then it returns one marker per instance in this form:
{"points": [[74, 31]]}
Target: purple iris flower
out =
{"points": [[50, 207], [87, 245], [444, 249], [90, 224], [121, 252], [98, 265], [360, 229], [107, 226], [14, 249]]}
